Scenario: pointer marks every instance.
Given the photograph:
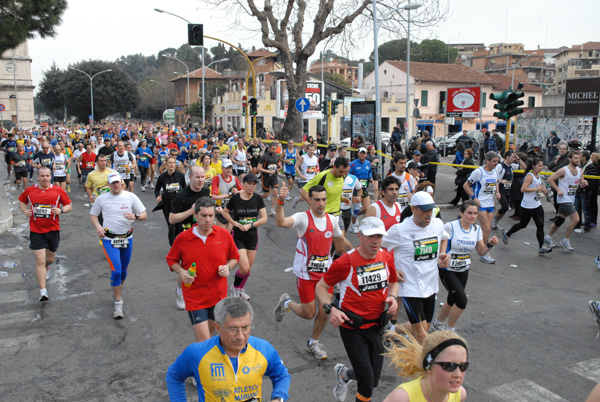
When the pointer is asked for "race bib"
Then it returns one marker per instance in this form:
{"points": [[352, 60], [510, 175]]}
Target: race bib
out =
{"points": [[89, 165], [163, 159], [311, 169], [60, 166], [318, 263], [364, 183], [246, 221], [507, 185], [42, 210], [119, 243], [572, 189], [426, 249], [347, 194], [102, 190], [21, 164], [12, 149], [489, 188], [47, 162], [290, 161], [143, 158], [459, 261], [172, 187], [272, 166], [372, 277], [403, 199]]}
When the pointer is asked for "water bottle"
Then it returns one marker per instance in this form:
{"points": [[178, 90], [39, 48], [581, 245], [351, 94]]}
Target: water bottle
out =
{"points": [[2, 273], [192, 273]]}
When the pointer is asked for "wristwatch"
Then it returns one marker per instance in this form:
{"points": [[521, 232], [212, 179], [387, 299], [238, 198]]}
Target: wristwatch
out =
{"points": [[327, 307], [136, 217], [278, 398], [62, 211]]}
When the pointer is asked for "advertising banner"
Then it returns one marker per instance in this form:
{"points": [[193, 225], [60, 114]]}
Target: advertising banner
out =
{"points": [[464, 102]]}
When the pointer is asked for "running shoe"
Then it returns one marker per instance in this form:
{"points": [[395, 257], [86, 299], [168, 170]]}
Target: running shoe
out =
{"points": [[566, 244], [43, 295], [354, 228], [438, 325], [494, 226], [288, 198], [118, 314], [68, 188], [269, 198], [505, 237], [317, 350], [239, 292], [179, 301], [47, 273], [280, 309], [341, 388], [597, 261], [548, 241], [487, 258], [295, 202], [595, 309], [545, 249], [144, 189], [272, 213], [151, 185]]}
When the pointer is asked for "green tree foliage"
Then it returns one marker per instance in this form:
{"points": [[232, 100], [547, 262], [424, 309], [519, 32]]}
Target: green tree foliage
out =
{"points": [[22, 19], [428, 51], [337, 78], [50, 93]]}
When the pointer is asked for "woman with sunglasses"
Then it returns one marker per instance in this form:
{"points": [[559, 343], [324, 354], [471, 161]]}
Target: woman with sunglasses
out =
{"points": [[465, 236], [438, 366]]}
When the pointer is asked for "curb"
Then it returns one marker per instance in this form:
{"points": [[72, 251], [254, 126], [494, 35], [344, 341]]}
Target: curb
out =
{"points": [[6, 217]]}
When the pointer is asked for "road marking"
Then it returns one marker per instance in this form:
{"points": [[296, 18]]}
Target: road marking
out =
{"points": [[524, 391], [589, 369], [11, 297], [26, 342], [17, 316], [13, 277], [64, 297]]}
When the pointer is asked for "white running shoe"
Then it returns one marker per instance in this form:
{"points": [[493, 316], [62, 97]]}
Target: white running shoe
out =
{"points": [[295, 202], [317, 350], [548, 241], [47, 273], [594, 308], [179, 301], [118, 314], [354, 228], [288, 198], [545, 249], [438, 325], [341, 388], [151, 185], [494, 226], [487, 258], [597, 261], [280, 309], [239, 292], [272, 213], [43, 295], [566, 244]]}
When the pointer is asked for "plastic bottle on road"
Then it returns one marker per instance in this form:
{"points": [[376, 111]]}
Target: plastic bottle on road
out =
{"points": [[192, 273], [2, 273]]}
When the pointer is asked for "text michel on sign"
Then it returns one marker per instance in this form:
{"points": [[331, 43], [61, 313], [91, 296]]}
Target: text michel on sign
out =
{"points": [[464, 102], [582, 97]]}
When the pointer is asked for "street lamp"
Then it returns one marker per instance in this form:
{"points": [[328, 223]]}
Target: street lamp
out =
{"points": [[376, 25], [91, 77], [187, 70], [203, 72], [512, 84]]}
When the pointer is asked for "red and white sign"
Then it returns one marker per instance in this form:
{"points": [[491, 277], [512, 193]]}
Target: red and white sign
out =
{"points": [[464, 102], [244, 101]]}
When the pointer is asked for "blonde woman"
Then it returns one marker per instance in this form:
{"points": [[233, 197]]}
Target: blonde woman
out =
{"points": [[62, 164], [438, 367]]}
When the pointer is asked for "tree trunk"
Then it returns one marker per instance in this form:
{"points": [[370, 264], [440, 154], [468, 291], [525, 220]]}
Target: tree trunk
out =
{"points": [[296, 85]]}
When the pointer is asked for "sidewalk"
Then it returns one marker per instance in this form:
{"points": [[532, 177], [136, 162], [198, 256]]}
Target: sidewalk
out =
{"points": [[6, 217]]}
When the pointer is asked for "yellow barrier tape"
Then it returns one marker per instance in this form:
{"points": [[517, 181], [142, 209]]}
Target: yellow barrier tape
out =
{"points": [[515, 171]]}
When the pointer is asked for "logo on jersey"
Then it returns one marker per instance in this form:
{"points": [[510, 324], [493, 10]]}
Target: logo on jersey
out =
{"points": [[217, 370], [328, 234]]}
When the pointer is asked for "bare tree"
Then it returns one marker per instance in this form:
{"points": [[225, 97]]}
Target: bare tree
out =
{"points": [[343, 23]]}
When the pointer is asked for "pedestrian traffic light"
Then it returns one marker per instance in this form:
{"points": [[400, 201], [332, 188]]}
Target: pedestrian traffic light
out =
{"points": [[195, 35], [502, 105], [243, 110], [334, 105], [325, 107], [514, 102], [253, 106]]}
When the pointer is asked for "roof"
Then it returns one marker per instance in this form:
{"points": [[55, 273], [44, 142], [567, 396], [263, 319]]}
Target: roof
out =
{"points": [[584, 46], [261, 53], [210, 74], [503, 82], [439, 72]]}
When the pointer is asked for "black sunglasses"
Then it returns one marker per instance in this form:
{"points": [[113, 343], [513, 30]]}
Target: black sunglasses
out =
{"points": [[451, 367]]}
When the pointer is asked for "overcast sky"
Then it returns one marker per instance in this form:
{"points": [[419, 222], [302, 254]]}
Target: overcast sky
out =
{"points": [[109, 29]]}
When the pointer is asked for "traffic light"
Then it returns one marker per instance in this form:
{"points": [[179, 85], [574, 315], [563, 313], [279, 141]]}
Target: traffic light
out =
{"points": [[502, 105], [253, 106], [325, 107], [200, 109], [195, 35], [334, 105], [243, 110], [514, 102]]}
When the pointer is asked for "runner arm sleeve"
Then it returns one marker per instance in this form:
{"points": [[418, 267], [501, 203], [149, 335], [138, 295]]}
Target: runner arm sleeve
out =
{"points": [[177, 374], [278, 373]]}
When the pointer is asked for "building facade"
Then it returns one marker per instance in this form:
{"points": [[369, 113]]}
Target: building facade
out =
{"points": [[16, 88], [579, 61]]}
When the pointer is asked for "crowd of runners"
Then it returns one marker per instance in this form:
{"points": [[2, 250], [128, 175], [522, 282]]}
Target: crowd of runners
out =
{"points": [[207, 184]]}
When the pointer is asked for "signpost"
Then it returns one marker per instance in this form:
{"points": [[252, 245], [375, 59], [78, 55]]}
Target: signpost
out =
{"points": [[582, 98]]}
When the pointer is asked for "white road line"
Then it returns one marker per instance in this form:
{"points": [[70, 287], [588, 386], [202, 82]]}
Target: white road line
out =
{"points": [[589, 369], [13, 277], [12, 297], [524, 391], [17, 316], [26, 342]]}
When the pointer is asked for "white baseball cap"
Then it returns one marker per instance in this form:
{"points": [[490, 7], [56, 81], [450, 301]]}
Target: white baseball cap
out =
{"points": [[422, 200], [362, 149], [371, 226], [113, 177], [226, 163]]}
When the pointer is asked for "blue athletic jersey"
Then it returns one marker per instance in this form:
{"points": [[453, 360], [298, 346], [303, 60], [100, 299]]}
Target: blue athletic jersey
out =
{"points": [[220, 380], [162, 156], [362, 171], [290, 161], [144, 160]]}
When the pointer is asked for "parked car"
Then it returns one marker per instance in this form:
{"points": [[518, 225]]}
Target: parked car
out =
{"points": [[449, 143]]}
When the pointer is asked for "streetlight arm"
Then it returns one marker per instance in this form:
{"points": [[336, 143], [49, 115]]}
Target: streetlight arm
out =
{"points": [[101, 72], [158, 10], [81, 71], [175, 58]]}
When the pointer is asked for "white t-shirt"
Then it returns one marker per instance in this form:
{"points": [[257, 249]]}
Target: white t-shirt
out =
{"points": [[461, 244], [485, 186], [407, 187], [416, 251], [351, 184], [114, 207]]}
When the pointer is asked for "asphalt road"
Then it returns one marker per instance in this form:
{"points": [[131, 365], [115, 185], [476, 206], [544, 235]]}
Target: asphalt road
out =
{"points": [[531, 335]]}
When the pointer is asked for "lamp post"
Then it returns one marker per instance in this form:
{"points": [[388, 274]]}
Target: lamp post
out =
{"points": [[187, 71], [376, 25], [512, 83], [203, 72], [91, 77]]}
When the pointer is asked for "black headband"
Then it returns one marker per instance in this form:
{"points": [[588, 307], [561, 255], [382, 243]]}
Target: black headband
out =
{"points": [[430, 357]]}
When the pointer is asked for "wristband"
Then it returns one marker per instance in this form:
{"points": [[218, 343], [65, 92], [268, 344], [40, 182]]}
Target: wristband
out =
{"points": [[489, 245], [280, 202]]}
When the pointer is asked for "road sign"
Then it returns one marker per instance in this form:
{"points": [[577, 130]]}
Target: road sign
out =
{"points": [[416, 112], [302, 104], [2, 107], [464, 102], [244, 101]]}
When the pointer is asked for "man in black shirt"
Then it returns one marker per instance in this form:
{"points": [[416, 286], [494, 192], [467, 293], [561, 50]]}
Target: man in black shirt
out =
{"points": [[329, 159], [268, 167], [254, 152], [107, 150]]}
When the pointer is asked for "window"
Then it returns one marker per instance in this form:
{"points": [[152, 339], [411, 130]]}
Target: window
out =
{"points": [[531, 101], [483, 99], [262, 62], [424, 98]]}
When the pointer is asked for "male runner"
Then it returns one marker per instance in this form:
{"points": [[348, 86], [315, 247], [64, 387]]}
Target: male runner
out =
{"points": [[223, 186], [482, 186], [121, 162], [361, 168], [21, 161], [97, 180], [43, 203], [268, 165], [408, 182], [289, 157], [505, 177], [571, 178], [387, 209], [119, 208], [307, 166], [9, 146], [316, 232]]}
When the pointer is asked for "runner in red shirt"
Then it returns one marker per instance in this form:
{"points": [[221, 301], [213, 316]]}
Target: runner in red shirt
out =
{"points": [[387, 209], [43, 203], [368, 281], [213, 251]]}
